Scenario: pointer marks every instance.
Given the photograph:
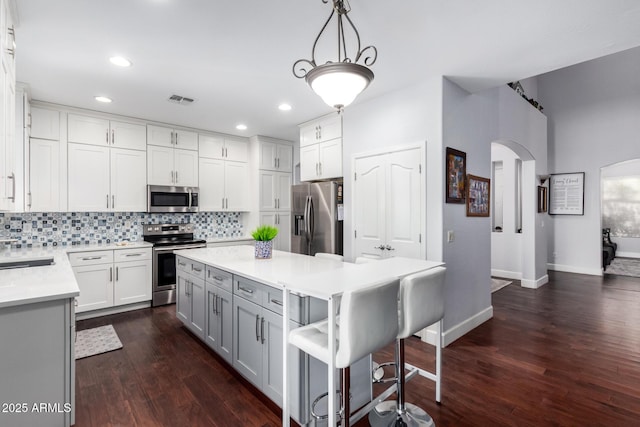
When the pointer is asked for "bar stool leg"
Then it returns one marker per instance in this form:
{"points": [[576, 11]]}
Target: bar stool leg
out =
{"points": [[346, 385], [399, 413]]}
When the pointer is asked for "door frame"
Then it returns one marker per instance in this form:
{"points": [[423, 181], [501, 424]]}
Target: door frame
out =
{"points": [[423, 194]]}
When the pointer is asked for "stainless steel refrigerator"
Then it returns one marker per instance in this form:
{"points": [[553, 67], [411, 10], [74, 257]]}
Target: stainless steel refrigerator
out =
{"points": [[317, 218]]}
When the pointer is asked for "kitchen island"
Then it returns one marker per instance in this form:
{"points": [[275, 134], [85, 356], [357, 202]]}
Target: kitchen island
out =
{"points": [[251, 292], [37, 329]]}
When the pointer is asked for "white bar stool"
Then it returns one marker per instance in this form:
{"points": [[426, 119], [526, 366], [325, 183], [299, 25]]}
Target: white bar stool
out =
{"points": [[368, 321], [326, 255], [420, 304]]}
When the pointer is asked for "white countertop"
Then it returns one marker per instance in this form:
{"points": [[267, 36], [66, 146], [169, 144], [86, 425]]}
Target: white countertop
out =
{"points": [[229, 239], [37, 284], [282, 266]]}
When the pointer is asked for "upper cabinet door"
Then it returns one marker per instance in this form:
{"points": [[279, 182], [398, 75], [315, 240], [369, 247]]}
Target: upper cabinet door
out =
{"points": [[211, 196], [88, 178], [330, 158], [284, 155], [128, 180], [44, 181], [211, 147], [88, 130], [329, 128], [309, 162], [160, 166], [236, 150], [236, 186], [159, 135], [45, 124], [267, 155], [186, 140], [128, 135], [186, 167]]}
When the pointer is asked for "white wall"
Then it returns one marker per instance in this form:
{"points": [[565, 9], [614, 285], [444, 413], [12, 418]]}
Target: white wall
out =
{"points": [[593, 111], [471, 122]]}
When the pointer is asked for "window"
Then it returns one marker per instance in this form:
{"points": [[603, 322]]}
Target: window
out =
{"points": [[621, 205]]}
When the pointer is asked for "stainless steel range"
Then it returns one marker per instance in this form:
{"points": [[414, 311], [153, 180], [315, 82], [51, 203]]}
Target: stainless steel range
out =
{"points": [[166, 239]]}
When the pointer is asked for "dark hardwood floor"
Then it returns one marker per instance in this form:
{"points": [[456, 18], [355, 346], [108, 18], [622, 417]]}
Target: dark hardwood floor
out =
{"points": [[567, 354]]}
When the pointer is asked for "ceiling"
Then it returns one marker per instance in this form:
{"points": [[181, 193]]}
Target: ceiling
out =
{"points": [[235, 57]]}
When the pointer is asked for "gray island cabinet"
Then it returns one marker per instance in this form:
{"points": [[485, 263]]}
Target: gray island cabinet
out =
{"points": [[239, 315]]}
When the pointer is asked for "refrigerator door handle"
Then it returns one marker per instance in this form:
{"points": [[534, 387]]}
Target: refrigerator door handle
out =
{"points": [[312, 220], [306, 219]]}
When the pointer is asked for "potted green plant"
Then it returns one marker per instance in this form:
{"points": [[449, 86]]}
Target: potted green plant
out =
{"points": [[264, 236]]}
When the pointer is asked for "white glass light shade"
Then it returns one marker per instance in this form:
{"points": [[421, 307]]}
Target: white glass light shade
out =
{"points": [[338, 84]]}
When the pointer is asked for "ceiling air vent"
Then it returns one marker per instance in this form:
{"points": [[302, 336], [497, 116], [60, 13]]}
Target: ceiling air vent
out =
{"points": [[182, 100]]}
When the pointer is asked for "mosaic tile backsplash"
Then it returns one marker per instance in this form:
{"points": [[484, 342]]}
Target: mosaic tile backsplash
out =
{"points": [[84, 228]]}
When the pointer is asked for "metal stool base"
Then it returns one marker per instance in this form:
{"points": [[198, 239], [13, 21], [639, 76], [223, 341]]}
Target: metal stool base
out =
{"points": [[385, 414]]}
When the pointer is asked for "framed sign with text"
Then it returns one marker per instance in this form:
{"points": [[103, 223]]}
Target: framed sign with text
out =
{"points": [[566, 194]]}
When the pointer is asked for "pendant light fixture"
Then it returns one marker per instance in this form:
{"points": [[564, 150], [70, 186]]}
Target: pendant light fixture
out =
{"points": [[338, 82]]}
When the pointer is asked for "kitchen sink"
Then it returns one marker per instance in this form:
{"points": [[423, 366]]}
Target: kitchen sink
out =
{"points": [[25, 263]]}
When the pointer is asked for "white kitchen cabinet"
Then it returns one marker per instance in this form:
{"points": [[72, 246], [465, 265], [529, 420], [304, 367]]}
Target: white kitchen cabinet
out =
{"points": [[321, 161], [275, 155], [323, 129], [321, 149], [190, 300], [170, 137], [219, 312], [44, 176], [8, 178], [282, 221], [224, 185], [275, 190], [223, 148], [106, 179], [38, 363], [111, 278], [170, 166], [45, 123], [98, 131]]}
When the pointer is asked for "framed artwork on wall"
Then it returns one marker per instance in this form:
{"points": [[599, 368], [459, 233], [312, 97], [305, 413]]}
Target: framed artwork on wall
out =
{"points": [[478, 193], [566, 194], [456, 172]]}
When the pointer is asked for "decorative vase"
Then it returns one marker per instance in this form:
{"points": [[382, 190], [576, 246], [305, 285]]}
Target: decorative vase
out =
{"points": [[264, 249]]}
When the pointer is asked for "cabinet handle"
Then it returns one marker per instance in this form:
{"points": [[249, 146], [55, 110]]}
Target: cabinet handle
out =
{"points": [[176, 138], [12, 177], [113, 136], [319, 132], [138, 254], [117, 273], [257, 326], [176, 174], [262, 330], [276, 302], [107, 201], [218, 298], [218, 278], [90, 258], [275, 163], [275, 202], [106, 134], [113, 201], [172, 177], [111, 274], [30, 200], [196, 269], [222, 151], [181, 264], [249, 291], [186, 287], [171, 137], [223, 203], [278, 161]]}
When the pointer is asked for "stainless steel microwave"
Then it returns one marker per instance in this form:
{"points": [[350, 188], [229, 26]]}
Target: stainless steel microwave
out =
{"points": [[166, 198]]}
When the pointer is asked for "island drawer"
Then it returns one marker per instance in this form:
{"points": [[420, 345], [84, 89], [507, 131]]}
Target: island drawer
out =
{"points": [[77, 259], [121, 255], [220, 278], [248, 289], [302, 310], [192, 267]]}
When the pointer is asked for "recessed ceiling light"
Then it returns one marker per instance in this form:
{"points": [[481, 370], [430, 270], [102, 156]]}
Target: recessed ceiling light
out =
{"points": [[284, 107], [103, 99], [120, 61], [241, 127]]}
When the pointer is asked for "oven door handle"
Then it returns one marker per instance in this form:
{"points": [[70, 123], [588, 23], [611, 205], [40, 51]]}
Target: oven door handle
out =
{"points": [[175, 248]]}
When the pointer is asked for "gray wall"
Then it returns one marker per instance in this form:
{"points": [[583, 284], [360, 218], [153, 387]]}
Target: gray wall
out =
{"points": [[593, 111]]}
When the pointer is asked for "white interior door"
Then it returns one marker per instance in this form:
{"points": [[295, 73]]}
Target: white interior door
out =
{"points": [[369, 206], [403, 208]]}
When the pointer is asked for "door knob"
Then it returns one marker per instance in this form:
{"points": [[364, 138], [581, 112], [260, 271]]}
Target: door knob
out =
{"points": [[381, 247], [389, 248]]}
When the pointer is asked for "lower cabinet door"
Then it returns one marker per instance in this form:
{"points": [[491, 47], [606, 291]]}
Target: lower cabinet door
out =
{"points": [[132, 282], [225, 325], [211, 317], [96, 286], [197, 296], [247, 347], [183, 302]]}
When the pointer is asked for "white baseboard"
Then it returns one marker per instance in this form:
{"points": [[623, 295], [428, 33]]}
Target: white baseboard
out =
{"points": [[112, 310], [535, 284], [465, 326], [515, 275], [627, 254], [573, 269]]}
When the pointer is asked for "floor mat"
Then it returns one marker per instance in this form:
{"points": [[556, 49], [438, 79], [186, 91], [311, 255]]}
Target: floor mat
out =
{"points": [[90, 342]]}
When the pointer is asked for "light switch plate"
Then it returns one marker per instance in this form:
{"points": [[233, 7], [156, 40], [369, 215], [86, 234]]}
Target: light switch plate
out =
{"points": [[450, 236]]}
